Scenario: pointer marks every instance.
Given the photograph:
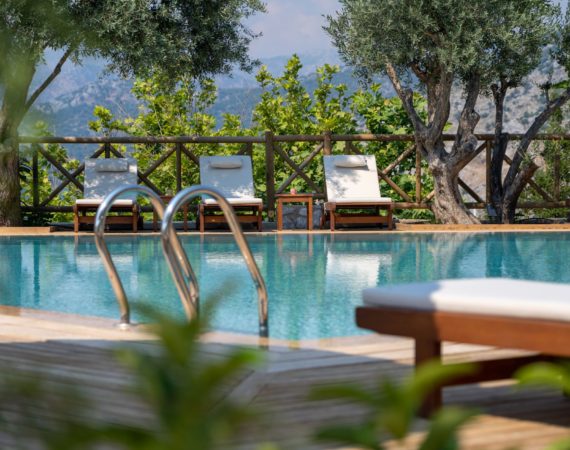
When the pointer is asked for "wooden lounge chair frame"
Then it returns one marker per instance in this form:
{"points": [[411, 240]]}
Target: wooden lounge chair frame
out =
{"points": [[332, 214], [129, 215], [211, 213], [430, 328]]}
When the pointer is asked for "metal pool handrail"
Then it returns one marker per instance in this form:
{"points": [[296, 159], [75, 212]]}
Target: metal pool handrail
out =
{"points": [[99, 228], [170, 243]]}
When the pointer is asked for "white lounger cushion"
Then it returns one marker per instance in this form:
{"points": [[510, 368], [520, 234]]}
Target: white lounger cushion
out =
{"points": [[347, 180], [98, 201], [235, 201], [112, 165], [365, 200], [235, 183], [487, 296], [225, 163], [351, 161], [103, 176]]}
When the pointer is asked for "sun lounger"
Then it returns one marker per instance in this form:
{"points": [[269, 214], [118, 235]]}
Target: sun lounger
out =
{"points": [[513, 314], [233, 176], [352, 184], [102, 176]]}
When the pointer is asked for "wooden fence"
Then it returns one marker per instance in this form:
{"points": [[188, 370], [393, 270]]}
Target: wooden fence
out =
{"points": [[272, 152]]}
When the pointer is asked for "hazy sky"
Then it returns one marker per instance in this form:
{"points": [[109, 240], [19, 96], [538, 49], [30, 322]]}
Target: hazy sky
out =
{"points": [[291, 26], [295, 26]]}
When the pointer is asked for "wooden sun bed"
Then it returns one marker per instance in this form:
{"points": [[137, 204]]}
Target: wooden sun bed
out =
{"points": [[352, 184], [514, 314], [102, 176], [233, 177]]}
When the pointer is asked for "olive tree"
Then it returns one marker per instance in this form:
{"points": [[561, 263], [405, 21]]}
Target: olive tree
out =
{"points": [[537, 39], [137, 37], [433, 46]]}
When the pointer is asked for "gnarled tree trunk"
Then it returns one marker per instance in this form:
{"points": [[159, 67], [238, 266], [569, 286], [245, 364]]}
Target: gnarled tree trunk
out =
{"points": [[10, 214], [9, 183], [448, 205]]}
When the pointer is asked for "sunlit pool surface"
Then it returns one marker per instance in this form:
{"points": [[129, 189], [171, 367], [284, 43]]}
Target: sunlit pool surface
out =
{"points": [[314, 281]]}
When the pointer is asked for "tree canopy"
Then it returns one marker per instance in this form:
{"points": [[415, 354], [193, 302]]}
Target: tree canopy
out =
{"points": [[197, 38]]}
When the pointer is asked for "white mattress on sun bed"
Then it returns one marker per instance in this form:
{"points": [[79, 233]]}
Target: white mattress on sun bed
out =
{"points": [[235, 201], [98, 201], [487, 296]]}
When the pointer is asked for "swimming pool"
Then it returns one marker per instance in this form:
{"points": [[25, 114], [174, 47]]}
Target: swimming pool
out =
{"points": [[314, 281]]}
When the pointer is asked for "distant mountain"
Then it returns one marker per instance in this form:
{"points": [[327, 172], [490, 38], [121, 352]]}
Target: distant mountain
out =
{"points": [[68, 103]]}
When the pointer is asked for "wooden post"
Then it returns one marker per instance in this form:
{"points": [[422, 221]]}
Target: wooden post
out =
{"points": [[427, 350], [327, 147], [107, 149], [270, 175], [488, 157], [178, 167], [418, 175], [556, 173], [35, 181]]}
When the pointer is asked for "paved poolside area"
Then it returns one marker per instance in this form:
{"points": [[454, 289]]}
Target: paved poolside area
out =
{"points": [[270, 228], [74, 351]]}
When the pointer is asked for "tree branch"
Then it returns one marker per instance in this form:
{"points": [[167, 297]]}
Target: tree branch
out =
{"points": [[419, 72], [539, 121], [407, 98], [465, 140], [55, 72], [441, 108]]}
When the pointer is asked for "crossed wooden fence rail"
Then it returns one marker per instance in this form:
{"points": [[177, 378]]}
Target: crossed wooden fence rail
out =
{"points": [[273, 149]]}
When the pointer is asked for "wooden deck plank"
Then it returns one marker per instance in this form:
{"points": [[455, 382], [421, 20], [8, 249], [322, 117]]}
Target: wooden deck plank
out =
{"points": [[81, 355]]}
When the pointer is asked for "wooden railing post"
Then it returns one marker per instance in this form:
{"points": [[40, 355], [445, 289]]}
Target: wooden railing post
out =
{"points": [[178, 167], [35, 181], [488, 157], [270, 175], [107, 149], [556, 174], [418, 175], [327, 141]]}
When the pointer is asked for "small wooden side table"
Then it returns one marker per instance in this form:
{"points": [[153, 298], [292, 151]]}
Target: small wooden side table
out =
{"points": [[166, 200], [295, 198]]}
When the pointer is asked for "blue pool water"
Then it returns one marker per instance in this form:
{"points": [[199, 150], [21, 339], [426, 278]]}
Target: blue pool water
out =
{"points": [[314, 281]]}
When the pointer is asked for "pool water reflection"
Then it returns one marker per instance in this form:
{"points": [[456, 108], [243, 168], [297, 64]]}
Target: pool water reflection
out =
{"points": [[314, 281]]}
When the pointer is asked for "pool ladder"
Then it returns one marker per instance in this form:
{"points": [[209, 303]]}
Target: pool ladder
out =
{"points": [[176, 257]]}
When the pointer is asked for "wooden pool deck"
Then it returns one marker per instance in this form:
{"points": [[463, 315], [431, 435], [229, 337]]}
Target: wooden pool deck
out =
{"points": [[80, 353]]}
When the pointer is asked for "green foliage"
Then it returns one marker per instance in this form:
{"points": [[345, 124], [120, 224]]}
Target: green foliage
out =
{"points": [[544, 374], [485, 37], [287, 108], [392, 409], [181, 386]]}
